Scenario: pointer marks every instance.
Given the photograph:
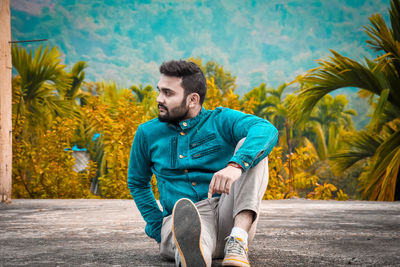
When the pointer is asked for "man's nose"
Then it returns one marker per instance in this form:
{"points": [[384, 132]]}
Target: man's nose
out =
{"points": [[159, 99]]}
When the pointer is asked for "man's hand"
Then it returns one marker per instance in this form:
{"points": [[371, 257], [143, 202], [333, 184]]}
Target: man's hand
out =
{"points": [[223, 180]]}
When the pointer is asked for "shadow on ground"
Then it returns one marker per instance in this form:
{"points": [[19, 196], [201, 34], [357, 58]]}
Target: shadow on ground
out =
{"points": [[111, 233]]}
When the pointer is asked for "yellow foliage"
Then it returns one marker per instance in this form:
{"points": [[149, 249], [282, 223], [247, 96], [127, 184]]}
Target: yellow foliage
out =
{"points": [[281, 185], [341, 195], [229, 99], [117, 126], [44, 170], [154, 187], [276, 185], [303, 180], [214, 96], [248, 106], [323, 192]]}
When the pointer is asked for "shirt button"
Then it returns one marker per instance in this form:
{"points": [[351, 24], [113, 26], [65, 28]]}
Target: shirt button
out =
{"points": [[184, 124], [194, 183], [186, 171], [182, 133], [246, 164], [181, 156]]}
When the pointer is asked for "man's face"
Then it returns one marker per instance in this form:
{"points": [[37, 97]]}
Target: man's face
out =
{"points": [[171, 100]]}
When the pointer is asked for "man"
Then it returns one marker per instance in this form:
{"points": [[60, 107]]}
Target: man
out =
{"points": [[191, 151]]}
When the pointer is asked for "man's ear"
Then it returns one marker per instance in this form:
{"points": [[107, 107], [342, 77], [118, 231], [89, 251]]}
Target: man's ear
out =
{"points": [[193, 99]]}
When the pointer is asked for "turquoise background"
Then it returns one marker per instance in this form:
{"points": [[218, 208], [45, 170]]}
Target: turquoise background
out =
{"points": [[258, 41]]}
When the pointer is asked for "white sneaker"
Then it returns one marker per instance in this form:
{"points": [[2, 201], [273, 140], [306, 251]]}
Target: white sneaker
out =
{"points": [[235, 252]]}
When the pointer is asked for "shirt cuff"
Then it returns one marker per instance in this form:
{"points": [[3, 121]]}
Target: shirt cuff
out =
{"points": [[244, 163]]}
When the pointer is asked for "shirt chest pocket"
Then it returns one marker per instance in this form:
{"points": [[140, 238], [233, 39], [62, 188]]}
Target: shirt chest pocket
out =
{"points": [[204, 145]]}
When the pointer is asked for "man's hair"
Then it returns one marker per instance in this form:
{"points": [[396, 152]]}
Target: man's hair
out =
{"points": [[193, 79]]}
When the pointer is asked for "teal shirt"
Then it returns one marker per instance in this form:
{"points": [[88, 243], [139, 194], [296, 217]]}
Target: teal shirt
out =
{"points": [[184, 157]]}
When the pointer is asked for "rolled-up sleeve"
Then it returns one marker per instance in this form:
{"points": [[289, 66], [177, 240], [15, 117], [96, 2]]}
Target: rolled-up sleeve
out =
{"points": [[261, 137]]}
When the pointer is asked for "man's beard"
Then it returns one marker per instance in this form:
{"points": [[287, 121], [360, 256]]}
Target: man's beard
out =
{"points": [[176, 114]]}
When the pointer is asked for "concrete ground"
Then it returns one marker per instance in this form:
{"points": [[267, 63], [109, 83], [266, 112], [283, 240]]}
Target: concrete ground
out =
{"points": [[111, 233]]}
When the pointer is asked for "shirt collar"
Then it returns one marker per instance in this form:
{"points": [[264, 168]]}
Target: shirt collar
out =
{"points": [[189, 123]]}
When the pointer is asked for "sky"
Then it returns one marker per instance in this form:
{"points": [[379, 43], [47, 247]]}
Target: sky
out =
{"points": [[269, 41]]}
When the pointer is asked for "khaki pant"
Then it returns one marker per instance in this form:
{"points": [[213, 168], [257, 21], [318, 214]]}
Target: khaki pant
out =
{"points": [[217, 214]]}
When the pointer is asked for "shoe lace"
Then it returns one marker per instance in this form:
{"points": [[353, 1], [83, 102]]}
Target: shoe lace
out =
{"points": [[235, 246]]}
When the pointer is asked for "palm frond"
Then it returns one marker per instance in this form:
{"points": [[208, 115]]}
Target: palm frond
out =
{"points": [[333, 138], [77, 76], [307, 143], [379, 146], [322, 149], [385, 39], [351, 112], [43, 66], [376, 117], [361, 145], [41, 74], [110, 93], [383, 177], [337, 72]]}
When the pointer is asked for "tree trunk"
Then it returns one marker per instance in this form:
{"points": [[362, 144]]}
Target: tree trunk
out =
{"points": [[5, 102], [292, 185]]}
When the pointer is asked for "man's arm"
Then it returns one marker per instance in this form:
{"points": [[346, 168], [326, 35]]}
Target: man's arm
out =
{"points": [[139, 178], [261, 136]]}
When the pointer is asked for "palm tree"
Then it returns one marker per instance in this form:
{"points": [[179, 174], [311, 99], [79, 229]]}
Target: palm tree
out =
{"points": [[273, 107], [328, 119], [223, 79], [37, 100], [265, 98], [74, 91], [259, 94], [36, 88], [381, 78], [147, 96]]}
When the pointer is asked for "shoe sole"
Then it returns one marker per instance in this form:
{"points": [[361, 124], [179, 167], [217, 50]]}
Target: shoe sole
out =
{"points": [[186, 230], [235, 262]]}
